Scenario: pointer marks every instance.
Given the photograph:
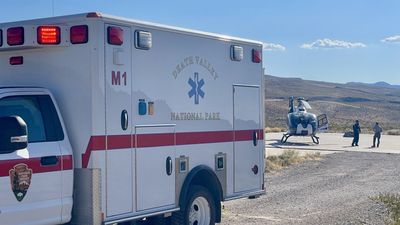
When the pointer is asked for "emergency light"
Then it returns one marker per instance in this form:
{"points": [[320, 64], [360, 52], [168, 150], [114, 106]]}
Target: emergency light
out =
{"points": [[115, 35], [236, 53], [79, 34], [48, 35], [15, 36], [143, 40], [256, 58], [16, 60], [93, 15]]}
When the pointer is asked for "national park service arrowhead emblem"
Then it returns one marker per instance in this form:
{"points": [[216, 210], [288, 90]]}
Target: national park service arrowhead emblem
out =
{"points": [[20, 177]]}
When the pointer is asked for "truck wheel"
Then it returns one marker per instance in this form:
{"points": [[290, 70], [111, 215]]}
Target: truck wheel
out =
{"points": [[198, 210]]}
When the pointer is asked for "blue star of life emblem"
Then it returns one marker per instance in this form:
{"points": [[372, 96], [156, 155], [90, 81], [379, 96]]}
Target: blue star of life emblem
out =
{"points": [[196, 86]]}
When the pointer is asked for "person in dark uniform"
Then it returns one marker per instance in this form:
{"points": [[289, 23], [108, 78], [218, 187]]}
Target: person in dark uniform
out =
{"points": [[356, 132], [377, 135]]}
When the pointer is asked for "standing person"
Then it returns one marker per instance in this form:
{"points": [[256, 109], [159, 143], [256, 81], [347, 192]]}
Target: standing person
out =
{"points": [[377, 134], [356, 132]]}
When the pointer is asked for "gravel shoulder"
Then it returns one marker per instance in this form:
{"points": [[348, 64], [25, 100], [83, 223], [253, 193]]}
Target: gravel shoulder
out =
{"points": [[335, 190]]}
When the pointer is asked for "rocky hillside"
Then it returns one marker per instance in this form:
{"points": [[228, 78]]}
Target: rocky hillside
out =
{"points": [[343, 103]]}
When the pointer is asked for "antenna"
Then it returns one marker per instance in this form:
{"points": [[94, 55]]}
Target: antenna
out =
{"points": [[52, 6]]}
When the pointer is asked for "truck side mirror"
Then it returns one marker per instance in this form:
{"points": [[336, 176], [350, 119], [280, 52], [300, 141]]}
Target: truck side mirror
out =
{"points": [[13, 134]]}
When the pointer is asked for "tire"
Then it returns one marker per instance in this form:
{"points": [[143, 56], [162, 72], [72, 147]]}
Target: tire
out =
{"points": [[199, 209]]}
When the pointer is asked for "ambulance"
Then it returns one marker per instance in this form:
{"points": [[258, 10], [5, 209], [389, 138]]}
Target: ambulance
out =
{"points": [[107, 120]]}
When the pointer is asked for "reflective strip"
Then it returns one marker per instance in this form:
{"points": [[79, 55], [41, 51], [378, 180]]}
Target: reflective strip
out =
{"points": [[19, 139]]}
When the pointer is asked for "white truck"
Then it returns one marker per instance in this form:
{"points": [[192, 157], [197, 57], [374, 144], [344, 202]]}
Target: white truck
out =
{"points": [[105, 120]]}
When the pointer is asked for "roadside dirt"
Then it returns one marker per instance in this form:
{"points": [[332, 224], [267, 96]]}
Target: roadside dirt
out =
{"points": [[335, 190]]}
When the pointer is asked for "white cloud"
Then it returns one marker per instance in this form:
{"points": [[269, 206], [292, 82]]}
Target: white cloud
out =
{"points": [[327, 43], [392, 39], [273, 47]]}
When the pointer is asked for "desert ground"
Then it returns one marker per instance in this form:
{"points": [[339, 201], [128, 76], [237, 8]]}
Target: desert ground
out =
{"points": [[338, 189]]}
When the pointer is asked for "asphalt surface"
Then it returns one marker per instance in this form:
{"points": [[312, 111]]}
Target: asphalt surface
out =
{"points": [[335, 190]]}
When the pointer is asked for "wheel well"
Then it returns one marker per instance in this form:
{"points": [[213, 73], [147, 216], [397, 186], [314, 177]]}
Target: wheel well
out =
{"points": [[203, 176]]}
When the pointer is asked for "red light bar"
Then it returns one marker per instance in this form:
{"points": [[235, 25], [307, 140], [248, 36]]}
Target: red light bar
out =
{"points": [[115, 35], [257, 58], [48, 35], [17, 60], [79, 34], [93, 15], [15, 36]]}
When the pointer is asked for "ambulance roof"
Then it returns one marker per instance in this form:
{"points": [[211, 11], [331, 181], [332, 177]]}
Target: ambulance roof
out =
{"points": [[126, 21]]}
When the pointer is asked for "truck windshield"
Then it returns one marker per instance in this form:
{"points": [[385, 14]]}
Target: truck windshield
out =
{"points": [[39, 114]]}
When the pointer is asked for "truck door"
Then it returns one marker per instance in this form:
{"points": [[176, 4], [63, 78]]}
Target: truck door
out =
{"points": [[31, 178], [247, 145], [119, 156]]}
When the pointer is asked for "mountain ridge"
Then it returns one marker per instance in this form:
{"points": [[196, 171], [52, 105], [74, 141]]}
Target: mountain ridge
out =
{"points": [[376, 84], [343, 103]]}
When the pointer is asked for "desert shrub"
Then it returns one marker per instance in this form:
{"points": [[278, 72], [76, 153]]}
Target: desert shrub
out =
{"points": [[393, 132], [274, 129], [392, 202], [287, 158]]}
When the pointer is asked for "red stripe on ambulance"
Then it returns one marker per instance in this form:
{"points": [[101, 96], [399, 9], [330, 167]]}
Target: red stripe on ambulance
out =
{"points": [[35, 165], [98, 143]]}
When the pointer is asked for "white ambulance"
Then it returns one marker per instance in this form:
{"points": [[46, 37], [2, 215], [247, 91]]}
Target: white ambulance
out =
{"points": [[105, 120]]}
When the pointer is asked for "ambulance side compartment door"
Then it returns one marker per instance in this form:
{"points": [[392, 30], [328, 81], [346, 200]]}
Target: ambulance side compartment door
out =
{"points": [[248, 148], [119, 190]]}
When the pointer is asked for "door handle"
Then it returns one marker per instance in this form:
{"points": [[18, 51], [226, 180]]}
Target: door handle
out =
{"points": [[124, 119], [49, 160], [255, 138], [168, 166]]}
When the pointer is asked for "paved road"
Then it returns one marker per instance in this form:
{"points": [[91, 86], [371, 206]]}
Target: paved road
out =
{"points": [[335, 190]]}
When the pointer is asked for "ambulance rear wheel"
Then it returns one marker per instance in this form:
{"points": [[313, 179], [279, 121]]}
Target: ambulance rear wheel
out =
{"points": [[198, 210]]}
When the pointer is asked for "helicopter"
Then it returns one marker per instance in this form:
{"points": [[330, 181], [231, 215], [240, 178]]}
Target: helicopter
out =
{"points": [[302, 123]]}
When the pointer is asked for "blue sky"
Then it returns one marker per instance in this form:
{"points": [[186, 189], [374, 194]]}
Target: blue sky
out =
{"points": [[329, 40]]}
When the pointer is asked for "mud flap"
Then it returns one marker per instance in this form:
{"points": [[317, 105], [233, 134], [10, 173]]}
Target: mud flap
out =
{"points": [[87, 197]]}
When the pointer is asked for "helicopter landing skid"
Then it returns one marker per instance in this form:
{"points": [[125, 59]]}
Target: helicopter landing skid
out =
{"points": [[285, 137], [315, 139]]}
